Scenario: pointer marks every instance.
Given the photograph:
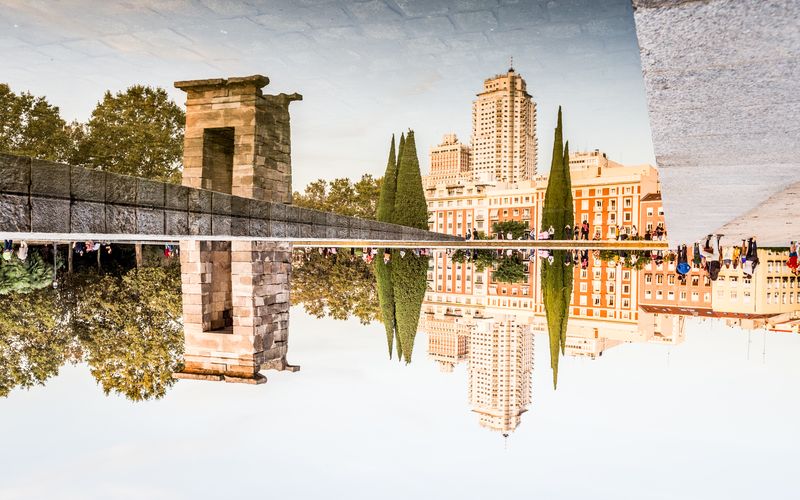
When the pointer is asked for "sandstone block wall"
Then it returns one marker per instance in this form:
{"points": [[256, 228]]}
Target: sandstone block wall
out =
{"points": [[237, 140]]}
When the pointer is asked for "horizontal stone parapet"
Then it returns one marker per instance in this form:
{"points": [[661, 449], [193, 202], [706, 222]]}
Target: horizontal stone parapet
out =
{"points": [[44, 197]]}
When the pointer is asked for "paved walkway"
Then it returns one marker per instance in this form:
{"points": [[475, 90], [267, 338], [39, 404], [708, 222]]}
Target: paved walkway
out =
{"points": [[722, 80]]}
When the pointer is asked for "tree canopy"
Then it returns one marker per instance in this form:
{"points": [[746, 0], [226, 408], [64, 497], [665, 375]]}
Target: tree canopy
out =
{"points": [[126, 326], [338, 288], [136, 132], [31, 126], [342, 196], [131, 330], [516, 228], [401, 289]]}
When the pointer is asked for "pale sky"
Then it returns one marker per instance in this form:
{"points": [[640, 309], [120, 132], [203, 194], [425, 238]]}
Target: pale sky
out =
{"points": [[693, 421], [366, 69]]}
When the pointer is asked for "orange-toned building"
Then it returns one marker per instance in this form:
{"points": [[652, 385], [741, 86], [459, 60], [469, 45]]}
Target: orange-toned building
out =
{"points": [[651, 213]]}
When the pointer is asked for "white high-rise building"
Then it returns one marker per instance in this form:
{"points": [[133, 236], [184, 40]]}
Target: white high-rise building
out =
{"points": [[504, 146]]}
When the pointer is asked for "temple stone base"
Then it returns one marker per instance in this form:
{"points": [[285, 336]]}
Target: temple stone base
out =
{"points": [[236, 309]]}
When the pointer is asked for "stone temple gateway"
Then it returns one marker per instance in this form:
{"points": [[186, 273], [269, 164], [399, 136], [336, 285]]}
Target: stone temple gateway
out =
{"points": [[236, 293]]}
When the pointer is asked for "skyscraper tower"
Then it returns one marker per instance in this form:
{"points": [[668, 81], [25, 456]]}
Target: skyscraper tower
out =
{"points": [[504, 146]]}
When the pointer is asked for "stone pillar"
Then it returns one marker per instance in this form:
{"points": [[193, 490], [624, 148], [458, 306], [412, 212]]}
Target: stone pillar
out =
{"points": [[236, 294], [237, 140]]}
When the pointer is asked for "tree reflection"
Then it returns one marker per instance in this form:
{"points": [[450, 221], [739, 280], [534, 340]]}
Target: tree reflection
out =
{"points": [[338, 287], [402, 284], [126, 326], [33, 340], [556, 292], [130, 328]]}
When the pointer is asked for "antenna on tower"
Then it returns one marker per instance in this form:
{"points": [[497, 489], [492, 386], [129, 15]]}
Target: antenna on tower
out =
{"points": [[511, 64]]}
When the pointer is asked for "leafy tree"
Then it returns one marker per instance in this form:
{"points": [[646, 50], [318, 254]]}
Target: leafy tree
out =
{"points": [[130, 329], [516, 228], [338, 289], [30, 126], [386, 198], [410, 207], [137, 132], [34, 342], [342, 196]]}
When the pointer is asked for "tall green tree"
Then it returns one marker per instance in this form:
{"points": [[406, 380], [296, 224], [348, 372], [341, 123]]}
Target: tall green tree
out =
{"points": [[30, 126], [410, 207], [136, 132], [557, 277], [386, 199], [342, 196], [554, 211]]}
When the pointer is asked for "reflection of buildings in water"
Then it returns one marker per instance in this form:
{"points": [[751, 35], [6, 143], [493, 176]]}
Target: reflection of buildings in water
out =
{"points": [[500, 368], [499, 354], [448, 339], [771, 290], [235, 309]]}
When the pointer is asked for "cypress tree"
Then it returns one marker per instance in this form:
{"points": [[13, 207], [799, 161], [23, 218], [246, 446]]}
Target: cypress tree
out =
{"points": [[557, 278], [400, 150], [568, 272], [388, 187], [410, 208], [554, 199]]}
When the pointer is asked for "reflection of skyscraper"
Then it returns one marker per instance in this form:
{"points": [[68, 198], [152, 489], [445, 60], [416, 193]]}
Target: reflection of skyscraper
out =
{"points": [[500, 368]]}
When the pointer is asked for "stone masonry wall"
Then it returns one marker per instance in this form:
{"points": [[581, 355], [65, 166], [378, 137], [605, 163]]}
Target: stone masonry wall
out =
{"points": [[45, 197]]}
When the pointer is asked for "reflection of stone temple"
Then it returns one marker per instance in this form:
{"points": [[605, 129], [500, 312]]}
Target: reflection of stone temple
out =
{"points": [[235, 293]]}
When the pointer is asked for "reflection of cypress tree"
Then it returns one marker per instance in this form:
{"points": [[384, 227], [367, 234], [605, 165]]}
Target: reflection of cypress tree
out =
{"points": [[557, 277], [383, 276], [409, 280], [410, 208], [388, 187]]}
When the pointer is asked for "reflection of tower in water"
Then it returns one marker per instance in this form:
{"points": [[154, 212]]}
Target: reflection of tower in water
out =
{"points": [[500, 368]]}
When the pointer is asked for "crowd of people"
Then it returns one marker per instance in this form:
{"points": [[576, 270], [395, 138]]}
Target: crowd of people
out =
{"points": [[710, 256]]}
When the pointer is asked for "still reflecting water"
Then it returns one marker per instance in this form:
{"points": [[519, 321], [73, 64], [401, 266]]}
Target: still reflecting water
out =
{"points": [[656, 380]]}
